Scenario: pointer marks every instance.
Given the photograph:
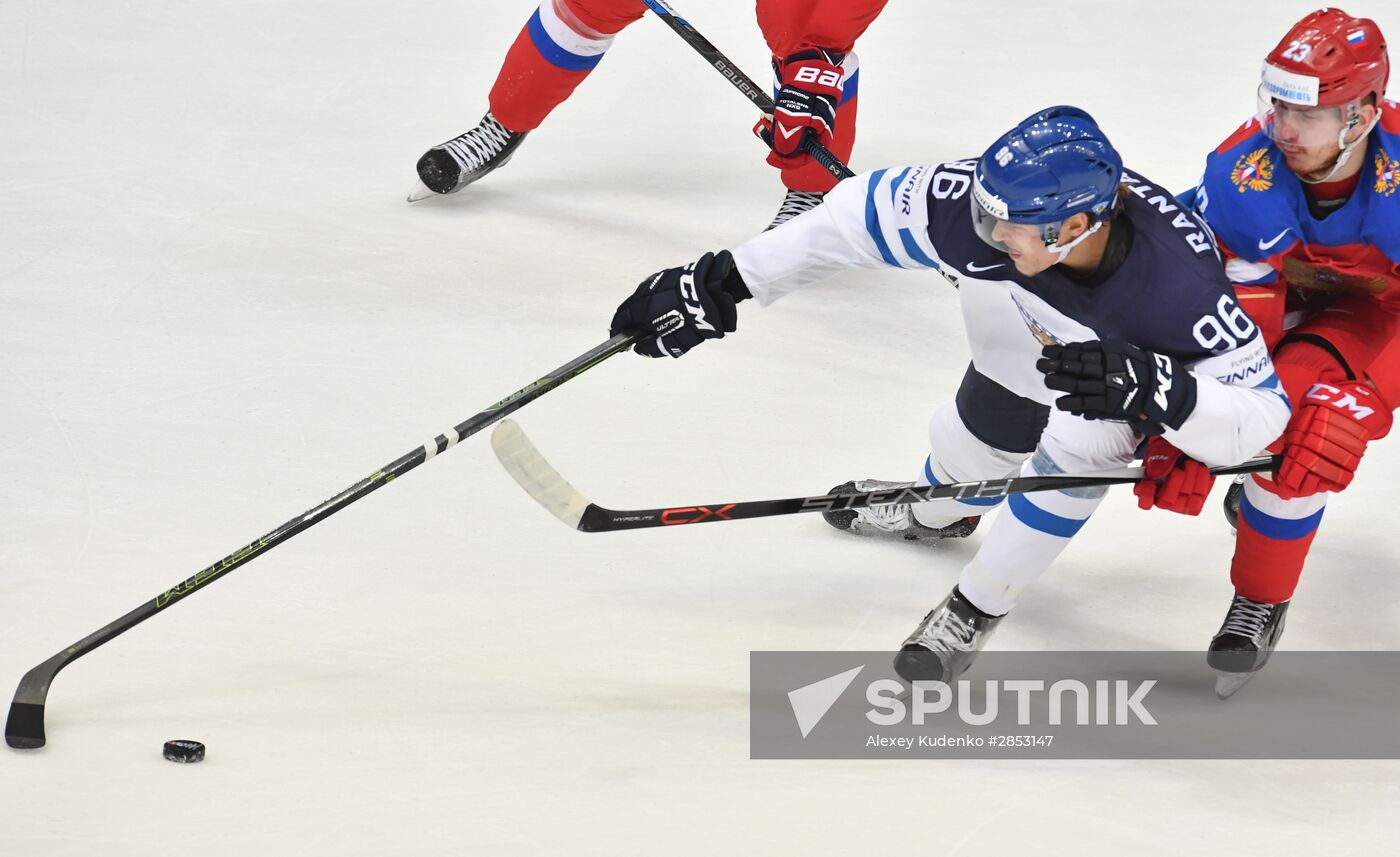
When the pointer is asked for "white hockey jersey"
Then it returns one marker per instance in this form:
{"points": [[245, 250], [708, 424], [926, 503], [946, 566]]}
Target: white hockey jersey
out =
{"points": [[1170, 294]]}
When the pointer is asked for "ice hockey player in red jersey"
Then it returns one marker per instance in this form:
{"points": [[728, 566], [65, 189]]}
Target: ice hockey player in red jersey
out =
{"points": [[816, 82], [1305, 202]]}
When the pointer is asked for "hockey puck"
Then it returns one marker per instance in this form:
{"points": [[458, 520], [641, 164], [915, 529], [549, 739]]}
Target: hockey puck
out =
{"points": [[184, 751]]}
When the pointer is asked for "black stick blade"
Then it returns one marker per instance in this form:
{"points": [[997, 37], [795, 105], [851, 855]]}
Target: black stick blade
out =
{"points": [[25, 728]]}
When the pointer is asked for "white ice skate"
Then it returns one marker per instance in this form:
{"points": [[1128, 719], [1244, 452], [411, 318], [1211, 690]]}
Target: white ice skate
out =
{"points": [[896, 520]]}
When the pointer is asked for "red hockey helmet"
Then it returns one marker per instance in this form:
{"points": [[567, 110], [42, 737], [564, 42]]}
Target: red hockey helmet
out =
{"points": [[1328, 59]]}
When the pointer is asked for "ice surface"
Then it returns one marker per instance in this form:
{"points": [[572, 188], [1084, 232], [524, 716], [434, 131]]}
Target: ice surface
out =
{"points": [[218, 310]]}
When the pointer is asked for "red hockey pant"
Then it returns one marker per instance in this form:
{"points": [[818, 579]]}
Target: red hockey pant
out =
{"points": [[564, 40]]}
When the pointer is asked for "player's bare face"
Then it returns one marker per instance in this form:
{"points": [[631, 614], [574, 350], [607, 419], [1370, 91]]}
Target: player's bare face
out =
{"points": [[1025, 247], [1308, 137]]}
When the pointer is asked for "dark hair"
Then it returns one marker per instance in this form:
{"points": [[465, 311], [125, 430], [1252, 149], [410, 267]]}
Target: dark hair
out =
{"points": [[1120, 199]]}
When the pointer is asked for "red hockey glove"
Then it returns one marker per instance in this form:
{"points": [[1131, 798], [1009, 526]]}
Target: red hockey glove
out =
{"points": [[1172, 480], [1327, 436], [806, 104]]}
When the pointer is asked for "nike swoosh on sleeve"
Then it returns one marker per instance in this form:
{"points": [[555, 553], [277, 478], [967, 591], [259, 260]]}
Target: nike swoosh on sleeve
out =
{"points": [[1264, 246], [976, 268]]}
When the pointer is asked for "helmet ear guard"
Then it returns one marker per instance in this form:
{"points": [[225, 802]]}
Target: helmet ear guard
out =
{"points": [[1050, 233]]}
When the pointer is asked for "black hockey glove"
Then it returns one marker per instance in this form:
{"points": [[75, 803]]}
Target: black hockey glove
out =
{"points": [[1117, 381], [678, 308]]}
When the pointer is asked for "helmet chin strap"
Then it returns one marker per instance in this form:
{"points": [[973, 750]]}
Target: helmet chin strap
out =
{"points": [[1062, 251], [1353, 118]]}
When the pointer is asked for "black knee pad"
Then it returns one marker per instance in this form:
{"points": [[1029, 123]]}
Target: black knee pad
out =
{"points": [[998, 417]]}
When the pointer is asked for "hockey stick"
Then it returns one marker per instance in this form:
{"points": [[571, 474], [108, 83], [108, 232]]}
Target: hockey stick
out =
{"points": [[541, 481], [755, 93], [25, 727]]}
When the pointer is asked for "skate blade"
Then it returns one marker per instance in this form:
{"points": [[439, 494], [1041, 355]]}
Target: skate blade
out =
{"points": [[1226, 684], [420, 192]]}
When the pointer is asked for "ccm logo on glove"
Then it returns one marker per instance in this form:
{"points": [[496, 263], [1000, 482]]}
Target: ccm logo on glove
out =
{"points": [[677, 309], [692, 299], [670, 321], [1340, 399], [1327, 437], [1164, 380]]}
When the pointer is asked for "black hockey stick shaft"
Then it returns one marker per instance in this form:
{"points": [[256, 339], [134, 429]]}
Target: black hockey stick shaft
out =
{"points": [[755, 93], [24, 729], [596, 519], [528, 467]]}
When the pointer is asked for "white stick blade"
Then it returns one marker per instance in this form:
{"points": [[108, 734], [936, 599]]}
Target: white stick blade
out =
{"points": [[529, 469]]}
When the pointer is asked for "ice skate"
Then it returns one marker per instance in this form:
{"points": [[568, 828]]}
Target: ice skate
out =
{"points": [[795, 203], [462, 160], [944, 644], [1244, 642], [1232, 502], [895, 520]]}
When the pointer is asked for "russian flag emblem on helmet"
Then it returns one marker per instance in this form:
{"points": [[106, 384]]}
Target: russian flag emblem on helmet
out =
{"points": [[1328, 59]]}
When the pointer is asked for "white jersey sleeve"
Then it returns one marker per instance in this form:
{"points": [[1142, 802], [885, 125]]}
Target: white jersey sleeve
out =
{"points": [[1240, 407], [873, 220]]}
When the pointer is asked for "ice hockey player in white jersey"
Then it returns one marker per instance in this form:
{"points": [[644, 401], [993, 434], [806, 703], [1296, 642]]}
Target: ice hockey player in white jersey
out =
{"points": [[1082, 286]]}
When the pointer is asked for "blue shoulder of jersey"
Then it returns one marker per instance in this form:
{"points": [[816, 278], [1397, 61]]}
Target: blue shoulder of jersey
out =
{"points": [[1249, 197], [1380, 179]]}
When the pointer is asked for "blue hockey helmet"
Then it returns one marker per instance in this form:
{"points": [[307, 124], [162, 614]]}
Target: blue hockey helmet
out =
{"points": [[1054, 164]]}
